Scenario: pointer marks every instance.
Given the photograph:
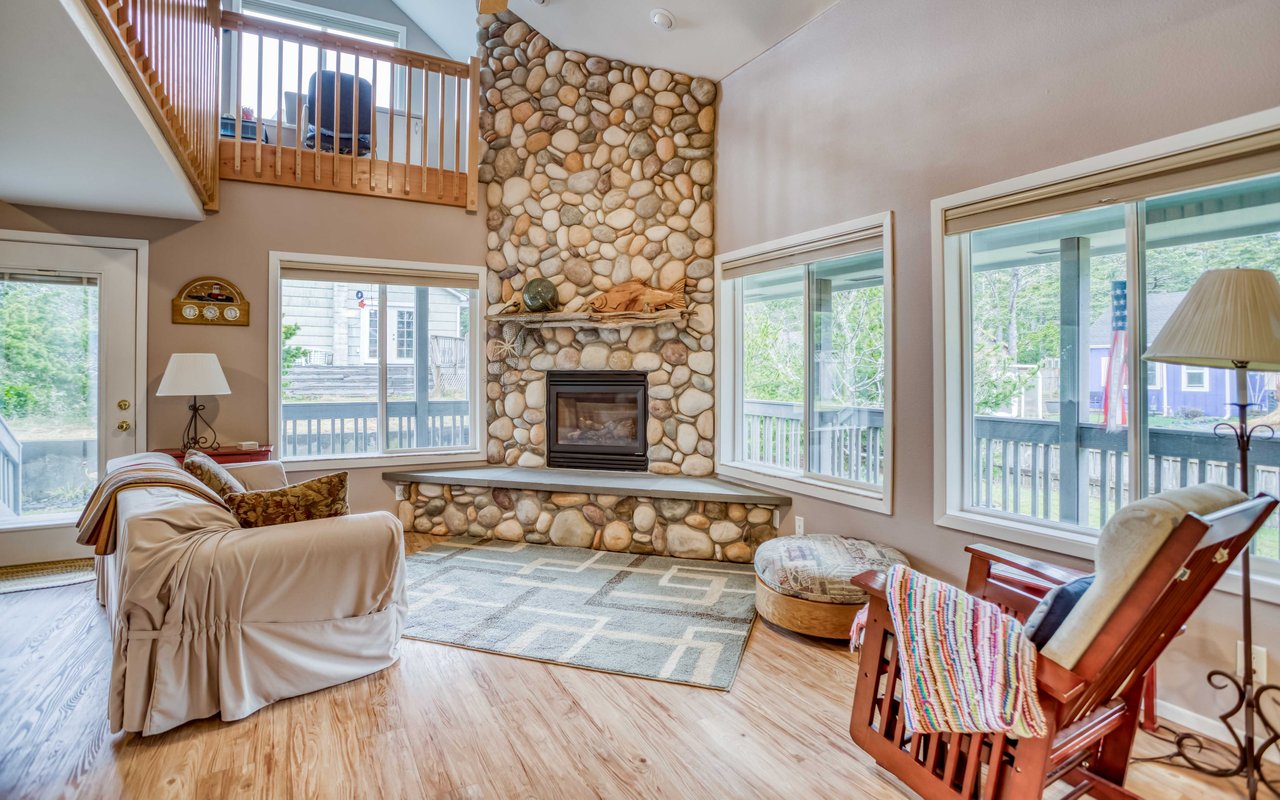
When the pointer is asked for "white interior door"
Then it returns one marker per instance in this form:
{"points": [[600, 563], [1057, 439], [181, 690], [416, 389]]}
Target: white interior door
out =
{"points": [[69, 378]]}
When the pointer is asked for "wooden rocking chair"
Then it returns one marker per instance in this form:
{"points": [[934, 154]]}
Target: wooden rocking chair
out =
{"points": [[1092, 709]]}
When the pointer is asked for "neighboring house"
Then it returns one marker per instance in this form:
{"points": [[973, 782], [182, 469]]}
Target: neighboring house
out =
{"points": [[338, 328], [1173, 390]]}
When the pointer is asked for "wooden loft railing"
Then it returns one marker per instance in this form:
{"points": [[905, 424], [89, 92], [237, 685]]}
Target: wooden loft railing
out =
{"points": [[170, 50], [411, 120]]}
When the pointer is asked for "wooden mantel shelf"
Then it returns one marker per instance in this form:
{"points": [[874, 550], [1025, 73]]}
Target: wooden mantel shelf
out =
{"points": [[591, 319]]}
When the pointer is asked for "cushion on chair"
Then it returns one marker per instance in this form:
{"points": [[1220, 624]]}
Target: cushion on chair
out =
{"points": [[1125, 547], [211, 473], [819, 568], [1054, 609], [318, 498]]}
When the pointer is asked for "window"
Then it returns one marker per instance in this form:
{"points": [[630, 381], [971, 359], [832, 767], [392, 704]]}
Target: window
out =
{"points": [[351, 385], [1194, 379], [281, 78], [405, 331], [371, 335], [1052, 294], [806, 363]]}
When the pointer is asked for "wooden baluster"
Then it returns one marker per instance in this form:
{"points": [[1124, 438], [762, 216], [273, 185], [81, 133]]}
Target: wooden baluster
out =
{"points": [[337, 114], [457, 135], [279, 105], [391, 123], [239, 39], [355, 120], [972, 764], [473, 135], [373, 128], [259, 130], [440, 129], [299, 124], [317, 112], [408, 123], [426, 91]]}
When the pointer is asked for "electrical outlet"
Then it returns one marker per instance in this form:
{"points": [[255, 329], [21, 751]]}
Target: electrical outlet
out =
{"points": [[1259, 662], [799, 526]]}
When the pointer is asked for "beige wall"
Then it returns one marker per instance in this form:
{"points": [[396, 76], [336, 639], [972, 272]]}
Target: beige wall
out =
{"points": [[234, 244], [879, 106]]}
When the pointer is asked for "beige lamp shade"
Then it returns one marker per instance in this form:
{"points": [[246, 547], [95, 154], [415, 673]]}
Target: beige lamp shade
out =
{"points": [[193, 374], [1230, 317]]}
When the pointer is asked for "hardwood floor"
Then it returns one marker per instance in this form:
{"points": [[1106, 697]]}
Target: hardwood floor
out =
{"points": [[451, 723]]}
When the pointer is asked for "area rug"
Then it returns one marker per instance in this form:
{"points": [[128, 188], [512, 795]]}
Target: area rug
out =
{"points": [[670, 619], [45, 576]]}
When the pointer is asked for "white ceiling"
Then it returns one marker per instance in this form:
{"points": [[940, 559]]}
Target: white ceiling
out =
{"points": [[711, 38], [73, 136]]}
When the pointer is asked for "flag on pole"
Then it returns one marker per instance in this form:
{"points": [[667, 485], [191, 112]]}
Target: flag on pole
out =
{"points": [[1114, 412]]}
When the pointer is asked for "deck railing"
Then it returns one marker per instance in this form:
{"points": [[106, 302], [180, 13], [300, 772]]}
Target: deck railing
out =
{"points": [[10, 472], [314, 429], [316, 110], [169, 48], [1017, 463]]}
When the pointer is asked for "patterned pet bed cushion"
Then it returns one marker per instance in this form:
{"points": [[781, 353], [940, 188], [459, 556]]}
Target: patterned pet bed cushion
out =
{"points": [[819, 568]]}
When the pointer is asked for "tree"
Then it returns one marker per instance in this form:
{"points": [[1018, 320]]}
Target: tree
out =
{"points": [[48, 362], [290, 354]]}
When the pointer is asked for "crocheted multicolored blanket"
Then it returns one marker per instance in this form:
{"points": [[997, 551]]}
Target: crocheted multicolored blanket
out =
{"points": [[967, 666]]}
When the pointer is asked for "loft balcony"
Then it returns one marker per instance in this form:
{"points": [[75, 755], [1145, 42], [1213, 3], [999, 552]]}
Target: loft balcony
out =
{"points": [[229, 96], [320, 111]]}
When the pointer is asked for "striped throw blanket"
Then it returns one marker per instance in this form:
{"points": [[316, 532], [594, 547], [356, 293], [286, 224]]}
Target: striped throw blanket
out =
{"points": [[967, 666], [97, 523]]}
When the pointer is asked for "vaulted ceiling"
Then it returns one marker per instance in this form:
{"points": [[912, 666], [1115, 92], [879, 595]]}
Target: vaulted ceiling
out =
{"points": [[710, 38]]}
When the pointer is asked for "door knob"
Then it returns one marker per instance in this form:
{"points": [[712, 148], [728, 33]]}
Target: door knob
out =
{"points": [[123, 405], [123, 425]]}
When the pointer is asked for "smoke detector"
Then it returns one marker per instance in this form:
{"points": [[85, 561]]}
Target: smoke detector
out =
{"points": [[538, 2], [662, 19]]}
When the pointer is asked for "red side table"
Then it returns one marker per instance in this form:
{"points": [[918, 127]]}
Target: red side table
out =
{"points": [[226, 455]]}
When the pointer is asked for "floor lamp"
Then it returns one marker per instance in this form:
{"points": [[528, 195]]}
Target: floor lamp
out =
{"points": [[1231, 320]]}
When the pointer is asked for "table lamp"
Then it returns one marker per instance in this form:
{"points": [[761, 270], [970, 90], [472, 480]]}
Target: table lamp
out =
{"points": [[1231, 320], [194, 374]]}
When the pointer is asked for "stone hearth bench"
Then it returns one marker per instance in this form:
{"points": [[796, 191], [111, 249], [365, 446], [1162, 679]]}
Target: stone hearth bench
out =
{"points": [[638, 512]]}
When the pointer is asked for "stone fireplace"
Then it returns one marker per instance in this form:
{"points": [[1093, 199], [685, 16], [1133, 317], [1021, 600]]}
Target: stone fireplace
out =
{"points": [[597, 419], [597, 173]]}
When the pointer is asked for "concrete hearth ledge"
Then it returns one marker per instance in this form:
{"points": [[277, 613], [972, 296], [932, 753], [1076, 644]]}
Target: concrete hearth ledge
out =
{"points": [[644, 484]]}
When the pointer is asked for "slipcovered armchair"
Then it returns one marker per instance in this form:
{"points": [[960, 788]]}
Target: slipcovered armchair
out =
{"points": [[1156, 560], [208, 618]]}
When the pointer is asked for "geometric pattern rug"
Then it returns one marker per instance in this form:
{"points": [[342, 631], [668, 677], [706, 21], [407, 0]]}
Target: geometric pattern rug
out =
{"points": [[46, 575], [671, 619]]}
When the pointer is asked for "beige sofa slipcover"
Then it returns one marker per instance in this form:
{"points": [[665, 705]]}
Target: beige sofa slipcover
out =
{"points": [[209, 618]]}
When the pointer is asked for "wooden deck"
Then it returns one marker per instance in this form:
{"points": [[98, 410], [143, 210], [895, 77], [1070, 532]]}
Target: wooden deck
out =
{"points": [[451, 723]]}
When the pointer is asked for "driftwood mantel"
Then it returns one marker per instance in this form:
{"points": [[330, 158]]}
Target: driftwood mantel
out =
{"points": [[592, 319]]}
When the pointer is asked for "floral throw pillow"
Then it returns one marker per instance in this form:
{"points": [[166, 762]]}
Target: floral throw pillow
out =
{"points": [[318, 498], [211, 474]]}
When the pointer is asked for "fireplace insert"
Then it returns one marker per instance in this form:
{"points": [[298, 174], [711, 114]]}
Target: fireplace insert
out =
{"points": [[597, 419]]}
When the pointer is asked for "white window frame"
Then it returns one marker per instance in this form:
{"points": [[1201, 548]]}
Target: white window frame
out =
{"points": [[950, 393], [294, 11], [1157, 369], [368, 357], [479, 430], [729, 359], [1186, 371]]}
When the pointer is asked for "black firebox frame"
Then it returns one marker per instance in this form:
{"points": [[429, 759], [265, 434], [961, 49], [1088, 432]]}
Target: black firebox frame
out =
{"points": [[631, 457]]}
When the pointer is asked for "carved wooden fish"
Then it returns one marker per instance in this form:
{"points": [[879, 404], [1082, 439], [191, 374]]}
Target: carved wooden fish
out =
{"points": [[636, 295]]}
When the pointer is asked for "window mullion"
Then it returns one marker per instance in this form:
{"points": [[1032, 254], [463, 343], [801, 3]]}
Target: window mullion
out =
{"points": [[806, 401], [1136, 282], [383, 344]]}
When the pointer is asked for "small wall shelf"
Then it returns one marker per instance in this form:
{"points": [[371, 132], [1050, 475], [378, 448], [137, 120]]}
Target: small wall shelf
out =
{"points": [[591, 319]]}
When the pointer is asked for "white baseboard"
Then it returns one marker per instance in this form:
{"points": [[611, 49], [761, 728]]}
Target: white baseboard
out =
{"points": [[1209, 727], [32, 546]]}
